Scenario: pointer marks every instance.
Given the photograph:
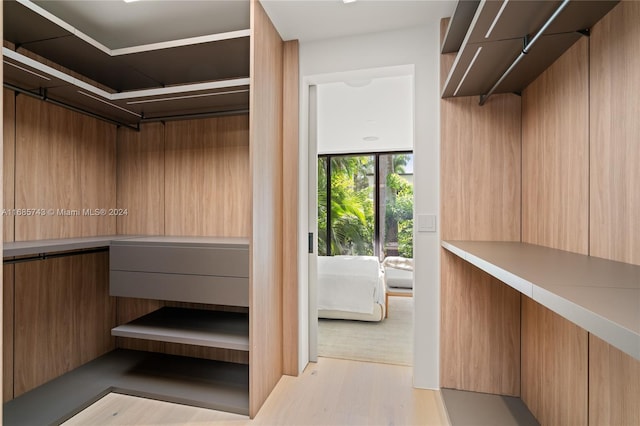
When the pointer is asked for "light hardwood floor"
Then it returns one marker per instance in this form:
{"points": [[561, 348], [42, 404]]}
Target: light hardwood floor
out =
{"points": [[331, 392]]}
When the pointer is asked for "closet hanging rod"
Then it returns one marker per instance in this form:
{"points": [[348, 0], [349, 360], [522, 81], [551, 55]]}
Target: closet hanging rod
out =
{"points": [[525, 50], [45, 256], [69, 107], [196, 115]]}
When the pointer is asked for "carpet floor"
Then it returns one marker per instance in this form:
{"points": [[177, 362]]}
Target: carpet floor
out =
{"points": [[389, 341]]}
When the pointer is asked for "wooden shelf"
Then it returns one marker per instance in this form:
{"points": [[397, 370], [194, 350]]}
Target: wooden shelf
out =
{"points": [[599, 295], [227, 330], [495, 38], [198, 382]]}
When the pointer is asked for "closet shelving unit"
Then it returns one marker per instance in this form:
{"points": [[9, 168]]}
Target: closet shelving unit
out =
{"points": [[500, 47], [223, 74], [491, 59], [49, 59]]}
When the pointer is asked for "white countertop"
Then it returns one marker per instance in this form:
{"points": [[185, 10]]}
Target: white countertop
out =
{"points": [[599, 295]]}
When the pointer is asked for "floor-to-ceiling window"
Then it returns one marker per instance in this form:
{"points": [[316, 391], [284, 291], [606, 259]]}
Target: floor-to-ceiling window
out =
{"points": [[365, 204]]}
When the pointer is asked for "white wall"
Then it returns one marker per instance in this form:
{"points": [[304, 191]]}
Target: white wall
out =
{"points": [[417, 47], [349, 113]]}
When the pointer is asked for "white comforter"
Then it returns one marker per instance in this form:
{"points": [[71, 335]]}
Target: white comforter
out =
{"points": [[349, 283]]}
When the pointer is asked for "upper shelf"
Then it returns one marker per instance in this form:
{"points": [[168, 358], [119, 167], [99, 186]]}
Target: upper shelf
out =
{"points": [[501, 30], [599, 295], [48, 58]]}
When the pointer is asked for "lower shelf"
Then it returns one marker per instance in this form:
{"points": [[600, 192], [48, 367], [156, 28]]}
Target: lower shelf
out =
{"points": [[190, 381], [481, 409], [227, 330]]}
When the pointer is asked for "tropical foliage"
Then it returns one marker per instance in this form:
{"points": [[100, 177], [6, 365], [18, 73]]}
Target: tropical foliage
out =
{"points": [[352, 215], [352, 207]]}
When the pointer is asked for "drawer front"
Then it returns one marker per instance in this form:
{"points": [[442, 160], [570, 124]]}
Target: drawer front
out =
{"points": [[181, 288], [221, 262]]}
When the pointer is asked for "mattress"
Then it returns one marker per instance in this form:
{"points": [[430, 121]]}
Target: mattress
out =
{"points": [[350, 284]]}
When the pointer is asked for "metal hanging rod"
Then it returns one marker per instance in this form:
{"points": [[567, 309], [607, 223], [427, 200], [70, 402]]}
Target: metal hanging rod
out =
{"points": [[527, 47], [45, 98], [197, 115], [45, 256]]}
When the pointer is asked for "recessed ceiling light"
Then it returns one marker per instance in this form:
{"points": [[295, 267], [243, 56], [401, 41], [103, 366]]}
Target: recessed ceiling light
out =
{"points": [[129, 1], [370, 138], [349, 1]]}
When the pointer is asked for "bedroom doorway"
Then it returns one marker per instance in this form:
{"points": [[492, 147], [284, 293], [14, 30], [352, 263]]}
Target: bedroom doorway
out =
{"points": [[363, 131]]}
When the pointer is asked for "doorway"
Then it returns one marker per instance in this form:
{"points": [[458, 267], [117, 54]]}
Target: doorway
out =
{"points": [[361, 208]]}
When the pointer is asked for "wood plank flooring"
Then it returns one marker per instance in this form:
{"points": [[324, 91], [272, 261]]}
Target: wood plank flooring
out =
{"points": [[331, 392]]}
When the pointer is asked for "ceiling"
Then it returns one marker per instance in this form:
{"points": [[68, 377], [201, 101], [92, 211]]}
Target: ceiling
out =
{"points": [[308, 20], [117, 24]]}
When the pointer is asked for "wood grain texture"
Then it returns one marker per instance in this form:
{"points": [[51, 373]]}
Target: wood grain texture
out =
{"points": [[207, 187], [554, 366], [479, 200], [481, 347], [480, 169], [290, 115], [7, 336], [216, 354], [63, 316], [140, 180], [8, 160], [614, 385], [555, 154], [265, 279], [130, 308], [615, 145], [73, 157]]}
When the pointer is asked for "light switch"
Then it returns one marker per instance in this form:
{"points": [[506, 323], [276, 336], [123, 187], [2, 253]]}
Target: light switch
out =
{"points": [[426, 223]]}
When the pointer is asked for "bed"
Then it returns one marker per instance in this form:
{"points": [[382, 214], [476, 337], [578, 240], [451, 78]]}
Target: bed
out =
{"points": [[351, 288]]}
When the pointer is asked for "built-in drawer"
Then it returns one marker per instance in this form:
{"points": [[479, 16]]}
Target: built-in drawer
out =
{"points": [[181, 288], [213, 271], [221, 262]]}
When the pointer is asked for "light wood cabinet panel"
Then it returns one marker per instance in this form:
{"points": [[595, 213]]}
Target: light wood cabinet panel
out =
{"points": [[480, 169], [64, 161], [43, 322], [63, 317], [265, 298], [207, 189], [555, 154], [8, 163], [614, 385], [140, 180], [94, 311], [7, 336], [479, 200], [615, 145], [554, 366], [290, 208], [232, 162], [480, 338]]}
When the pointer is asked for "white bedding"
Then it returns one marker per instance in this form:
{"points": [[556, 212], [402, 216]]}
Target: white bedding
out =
{"points": [[349, 283]]}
